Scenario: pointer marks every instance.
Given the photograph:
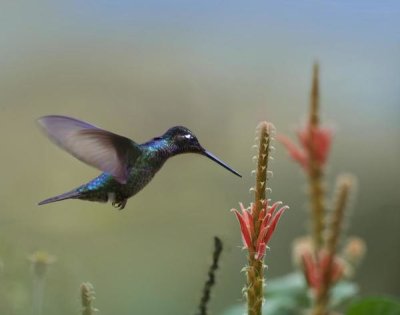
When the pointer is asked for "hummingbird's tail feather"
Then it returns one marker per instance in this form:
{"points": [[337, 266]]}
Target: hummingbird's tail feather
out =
{"points": [[68, 195]]}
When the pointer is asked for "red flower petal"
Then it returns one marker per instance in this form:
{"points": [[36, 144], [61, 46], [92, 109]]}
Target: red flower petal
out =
{"points": [[244, 229], [265, 222], [248, 217], [261, 216], [274, 222], [272, 209], [261, 235], [261, 251], [322, 143], [308, 267], [303, 134], [315, 275], [295, 153]]}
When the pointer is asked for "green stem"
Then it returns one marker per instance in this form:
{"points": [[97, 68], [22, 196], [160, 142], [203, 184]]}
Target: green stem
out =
{"points": [[255, 269], [344, 184], [38, 293], [255, 286], [315, 170], [87, 298]]}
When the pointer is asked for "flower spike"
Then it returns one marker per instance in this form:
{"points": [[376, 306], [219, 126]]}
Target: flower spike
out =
{"points": [[316, 139], [258, 221], [268, 219]]}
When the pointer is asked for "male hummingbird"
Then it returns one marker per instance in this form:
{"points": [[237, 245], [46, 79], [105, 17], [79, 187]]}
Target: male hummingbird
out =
{"points": [[127, 166]]}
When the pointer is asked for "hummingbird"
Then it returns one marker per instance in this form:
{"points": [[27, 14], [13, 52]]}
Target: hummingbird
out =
{"points": [[126, 165]]}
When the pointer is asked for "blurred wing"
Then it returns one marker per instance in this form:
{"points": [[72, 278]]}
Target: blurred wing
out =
{"points": [[102, 149]]}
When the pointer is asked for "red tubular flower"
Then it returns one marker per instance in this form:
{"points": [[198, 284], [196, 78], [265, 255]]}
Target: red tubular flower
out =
{"points": [[312, 139], [314, 269], [267, 222], [246, 225]]}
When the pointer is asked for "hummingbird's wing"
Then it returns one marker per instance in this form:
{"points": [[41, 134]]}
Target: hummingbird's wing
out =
{"points": [[102, 149]]}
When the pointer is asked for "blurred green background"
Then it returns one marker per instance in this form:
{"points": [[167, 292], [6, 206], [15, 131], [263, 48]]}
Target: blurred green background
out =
{"points": [[217, 67]]}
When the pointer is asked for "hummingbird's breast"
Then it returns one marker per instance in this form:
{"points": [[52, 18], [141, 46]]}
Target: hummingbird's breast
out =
{"points": [[141, 173], [105, 187]]}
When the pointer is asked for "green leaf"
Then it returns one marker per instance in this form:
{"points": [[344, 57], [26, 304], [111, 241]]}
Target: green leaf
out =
{"points": [[342, 292], [291, 284], [238, 309], [375, 306], [283, 296], [293, 287], [279, 305]]}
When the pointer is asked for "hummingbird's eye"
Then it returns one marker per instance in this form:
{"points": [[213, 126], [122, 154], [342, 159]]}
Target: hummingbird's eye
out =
{"points": [[186, 138]]}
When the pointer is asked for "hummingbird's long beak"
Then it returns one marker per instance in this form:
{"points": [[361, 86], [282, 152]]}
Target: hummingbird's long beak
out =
{"points": [[217, 160]]}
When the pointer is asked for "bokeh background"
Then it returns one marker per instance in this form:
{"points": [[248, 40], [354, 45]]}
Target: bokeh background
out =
{"points": [[218, 67]]}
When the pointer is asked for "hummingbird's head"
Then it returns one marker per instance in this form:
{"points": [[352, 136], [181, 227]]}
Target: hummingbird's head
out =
{"points": [[184, 141]]}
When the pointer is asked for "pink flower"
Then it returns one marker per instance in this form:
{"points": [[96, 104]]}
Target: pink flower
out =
{"points": [[267, 221], [312, 139], [314, 269]]}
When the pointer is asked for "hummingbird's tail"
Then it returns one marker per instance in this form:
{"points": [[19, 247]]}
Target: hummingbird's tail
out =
{"points": [[68, 195]]}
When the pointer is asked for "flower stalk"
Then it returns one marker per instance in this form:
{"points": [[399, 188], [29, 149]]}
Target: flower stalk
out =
{"points": [[258, 222], [87, 298], [315, 169], [318, 254], [40, 261], [344, 184], [255, 272], [315, 141]]}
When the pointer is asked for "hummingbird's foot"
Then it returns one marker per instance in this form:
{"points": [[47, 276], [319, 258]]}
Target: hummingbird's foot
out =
{"points": [[120, 204]]}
